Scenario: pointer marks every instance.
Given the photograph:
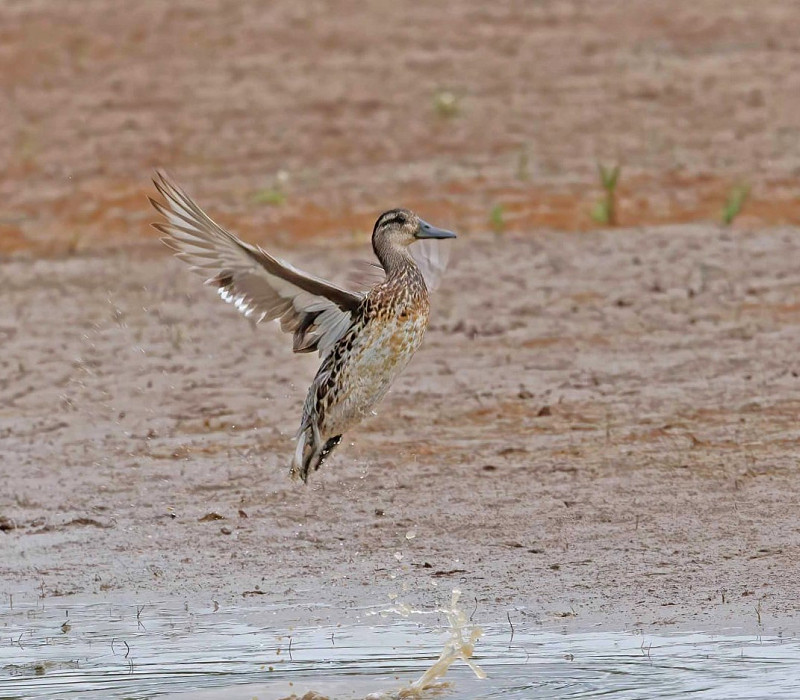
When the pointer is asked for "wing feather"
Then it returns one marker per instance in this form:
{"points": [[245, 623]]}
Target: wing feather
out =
{"points": [[261, 287], [432, 257]]}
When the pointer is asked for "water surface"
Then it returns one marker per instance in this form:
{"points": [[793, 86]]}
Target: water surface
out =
{"points": [[105, 651]]}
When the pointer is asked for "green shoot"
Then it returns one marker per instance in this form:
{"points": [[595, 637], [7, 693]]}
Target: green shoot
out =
{"points": [[523, 172], [269, 195], [734, 202], [497, 218], [605, 211], [446, 104], [74, 242], [275, 195]]}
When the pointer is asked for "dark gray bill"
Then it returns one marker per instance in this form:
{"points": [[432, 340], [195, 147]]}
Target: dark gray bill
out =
{"points": [[428, 231]]}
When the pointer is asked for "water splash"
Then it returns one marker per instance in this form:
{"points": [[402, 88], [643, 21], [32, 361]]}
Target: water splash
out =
{"points": [[460, 645]]}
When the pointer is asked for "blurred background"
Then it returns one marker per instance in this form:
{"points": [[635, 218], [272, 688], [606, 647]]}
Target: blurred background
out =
{"points": [[290, 120]]}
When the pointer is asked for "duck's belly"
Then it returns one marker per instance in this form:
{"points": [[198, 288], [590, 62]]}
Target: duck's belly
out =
{"points": [[377, 355]]}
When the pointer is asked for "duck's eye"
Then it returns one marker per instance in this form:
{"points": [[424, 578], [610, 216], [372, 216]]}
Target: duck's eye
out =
{"points": [[396, 219]]}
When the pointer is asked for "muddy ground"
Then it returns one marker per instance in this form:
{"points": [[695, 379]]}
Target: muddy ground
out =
{"points": [[601, 425], [598, 424]]}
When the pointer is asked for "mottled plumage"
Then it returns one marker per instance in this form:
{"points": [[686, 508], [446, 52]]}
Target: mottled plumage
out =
{"points": [[365, 339]]}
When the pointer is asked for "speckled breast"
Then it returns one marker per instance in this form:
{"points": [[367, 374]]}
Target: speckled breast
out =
{"points": [[377, 353]]}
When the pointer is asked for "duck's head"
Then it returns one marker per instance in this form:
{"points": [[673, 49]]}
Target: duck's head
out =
{"points": [[399, 228]]}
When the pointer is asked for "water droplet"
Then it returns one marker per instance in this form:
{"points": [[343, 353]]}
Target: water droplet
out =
{"points": [[411, 534]]}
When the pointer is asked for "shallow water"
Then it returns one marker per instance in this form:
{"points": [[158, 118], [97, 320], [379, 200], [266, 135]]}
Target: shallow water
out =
{"points": [[166, 651]]}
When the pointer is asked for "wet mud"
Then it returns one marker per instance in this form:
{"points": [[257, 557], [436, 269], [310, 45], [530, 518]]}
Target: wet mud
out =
{"points": [[601, 426]]}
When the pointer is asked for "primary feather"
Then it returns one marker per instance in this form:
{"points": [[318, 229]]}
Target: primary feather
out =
{"points": [[261, 287]]}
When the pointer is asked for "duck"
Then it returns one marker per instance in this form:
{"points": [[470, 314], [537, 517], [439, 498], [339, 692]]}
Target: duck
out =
{"points": [[364, 338]]}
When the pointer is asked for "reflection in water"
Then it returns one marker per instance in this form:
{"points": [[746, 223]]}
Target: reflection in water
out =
{"points": [[104, 651]]}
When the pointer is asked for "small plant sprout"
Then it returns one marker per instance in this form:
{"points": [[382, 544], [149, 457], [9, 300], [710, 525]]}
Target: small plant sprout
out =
{"points": [[497, 218], [269, 196], [446, 104], [605, 211], [276, 194], [74, 242], [523, 172], [734, 202]]}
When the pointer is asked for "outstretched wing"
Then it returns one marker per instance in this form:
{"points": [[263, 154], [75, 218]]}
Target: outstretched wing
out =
{"points": [[263, 288]]}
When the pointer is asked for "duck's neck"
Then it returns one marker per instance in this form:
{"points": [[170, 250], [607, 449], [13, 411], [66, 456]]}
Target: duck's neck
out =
{"points": [[395, 260]]}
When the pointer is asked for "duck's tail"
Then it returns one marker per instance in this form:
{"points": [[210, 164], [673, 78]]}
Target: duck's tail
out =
{"points": [[310, 454]]}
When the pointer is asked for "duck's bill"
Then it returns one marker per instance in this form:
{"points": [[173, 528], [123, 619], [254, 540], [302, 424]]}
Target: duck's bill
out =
{"points": [[428, 231]]}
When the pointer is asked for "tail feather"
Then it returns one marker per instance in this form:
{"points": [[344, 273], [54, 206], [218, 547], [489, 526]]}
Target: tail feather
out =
{"points": [[299, 452], [309, 454]]}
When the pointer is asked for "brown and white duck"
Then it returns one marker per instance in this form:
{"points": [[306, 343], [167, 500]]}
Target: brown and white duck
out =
{"points": [[365, 339]]}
